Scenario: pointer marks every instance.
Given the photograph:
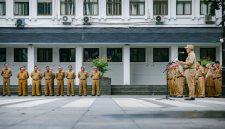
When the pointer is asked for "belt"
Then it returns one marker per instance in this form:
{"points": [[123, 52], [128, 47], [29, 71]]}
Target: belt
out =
{"points": [[70, 78], [82, 79], [48, 79], [217, 78], [180, 76], [6, 78], [60, 79], [36, 79], [22, 79], [95, 79]]}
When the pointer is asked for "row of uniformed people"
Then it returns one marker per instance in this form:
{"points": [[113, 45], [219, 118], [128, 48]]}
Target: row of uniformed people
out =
{"points": [[208, 80], [49, 77]]}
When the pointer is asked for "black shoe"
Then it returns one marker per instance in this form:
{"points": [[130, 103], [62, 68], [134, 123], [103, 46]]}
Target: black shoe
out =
{"points": [[179, 97], [85, 95], [190, 98]]}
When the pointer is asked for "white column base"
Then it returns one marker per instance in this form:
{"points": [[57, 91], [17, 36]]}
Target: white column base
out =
{"points": [[126, 65]]}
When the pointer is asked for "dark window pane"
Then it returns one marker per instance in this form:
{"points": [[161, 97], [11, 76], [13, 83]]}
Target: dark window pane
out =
{"points": [[20, 54], [67, 54], [182, 54], [160, 54], [90, 54], [90, 7], [2, 54], [184, 7], [114, 54], [67, 7], [44, 54], [137, 7], [44, 8], [137, 54], [21, 8], [2, 8], [208, 53], [160, 7], [113, 7]]}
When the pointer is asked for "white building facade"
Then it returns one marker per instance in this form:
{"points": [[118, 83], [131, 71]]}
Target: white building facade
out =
{"points": [[139, 36]]}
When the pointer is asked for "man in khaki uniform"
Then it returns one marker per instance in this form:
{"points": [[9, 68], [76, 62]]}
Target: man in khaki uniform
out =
{"points": [[95, 75], [36, 77], [180, 80], [218, 79], [60, 75], [210, 86], [53, 82], [22, 76], [48, 81], [200, 81], [169, 78], [83, 75], [190, 71], [70, 75], [174, 80], [39, 70], [6, 74]]}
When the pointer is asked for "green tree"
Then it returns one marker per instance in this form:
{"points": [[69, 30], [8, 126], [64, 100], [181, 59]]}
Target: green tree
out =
{"points": [[215, 5]]}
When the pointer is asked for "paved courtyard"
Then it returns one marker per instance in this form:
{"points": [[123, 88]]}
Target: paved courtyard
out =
{"points": [[110, 112]]}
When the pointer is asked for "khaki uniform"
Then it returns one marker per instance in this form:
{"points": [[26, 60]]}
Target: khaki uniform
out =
{"points": [[210, 86], [96, 82], [6, 74], [180, 81], [169, 78], [60, 83], [174, 82], [200, 82], [217, 77], [70, 75], [22, 83], [190, 72], [36, 77], [53, 83], [83, 82], [48, 83]]}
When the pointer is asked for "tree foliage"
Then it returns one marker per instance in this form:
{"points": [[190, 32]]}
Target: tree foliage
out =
{"points": [[214, 4]]}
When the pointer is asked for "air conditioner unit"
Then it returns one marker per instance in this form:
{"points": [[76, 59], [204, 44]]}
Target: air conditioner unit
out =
{"points": [[67, 20], [209, 20], [20, 23], [159, 20], [87, 20]]}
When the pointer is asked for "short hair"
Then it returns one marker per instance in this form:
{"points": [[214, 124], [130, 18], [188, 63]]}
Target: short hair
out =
{"points": [[35, 66], [200, 62], [217, 62], [47, 67], [70, 66], [5, 64]]}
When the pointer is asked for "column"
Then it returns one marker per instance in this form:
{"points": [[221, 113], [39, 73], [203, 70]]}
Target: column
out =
{"points": [[79, 61], [79, 11], [30, 62], [173, 53], [126, 9], [126, 65]]}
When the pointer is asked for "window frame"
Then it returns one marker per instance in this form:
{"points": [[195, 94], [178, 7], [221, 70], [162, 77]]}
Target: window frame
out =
{"points": [[4, 8], [160, 5], [51, 8], [69, 56], [207, 6], [91, 54], [164, 50], [113, 57], [66, 5], [17, 54], [3, 52], [41, 50], [183, 4], [90, 4], [23, 4], [137, 3], [137, 58], [113, 5]]}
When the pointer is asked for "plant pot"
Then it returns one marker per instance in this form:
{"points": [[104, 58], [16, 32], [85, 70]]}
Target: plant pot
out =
{"points": [[105, 84]]}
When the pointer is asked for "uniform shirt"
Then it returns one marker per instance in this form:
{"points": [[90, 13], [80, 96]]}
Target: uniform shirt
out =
{"points": [[192, 60], [36, 75], [70, 75], [200, 72], [96, 75], [218, 72], [6, 73], [83, 75], [180, 71], [48, 75], [22, 75], [60, 75]]}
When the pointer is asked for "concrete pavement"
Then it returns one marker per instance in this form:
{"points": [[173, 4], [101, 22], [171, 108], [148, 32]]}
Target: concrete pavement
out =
{"points": [[110, 112]]}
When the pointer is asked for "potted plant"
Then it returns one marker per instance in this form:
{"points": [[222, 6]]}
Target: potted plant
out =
{"points": [[105, 82]]}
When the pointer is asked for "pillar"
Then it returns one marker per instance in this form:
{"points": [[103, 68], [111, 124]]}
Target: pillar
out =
{"points": [[79, 61], [30, 62], [126, 65]]}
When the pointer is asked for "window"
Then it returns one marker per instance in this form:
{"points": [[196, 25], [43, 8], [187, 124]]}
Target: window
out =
{"points": [[208, 53], [137, 7], [2, 8], [67, 7], [91, 7], [184, 7], [137, 54], [182, 54], [21, 7], [90, 54], [204, 8], [114, 7], [160, 54], [44, 55], [160, 7], [44, 7], [114, 54], [67, 54], [2, 54], [20, 54]]}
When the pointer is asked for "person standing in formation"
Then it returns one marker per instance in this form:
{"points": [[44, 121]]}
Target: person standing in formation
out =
{"points": [[6, 74], [70, 75], [22, 76], [83, 75], [36, 79], [60, 75]]}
